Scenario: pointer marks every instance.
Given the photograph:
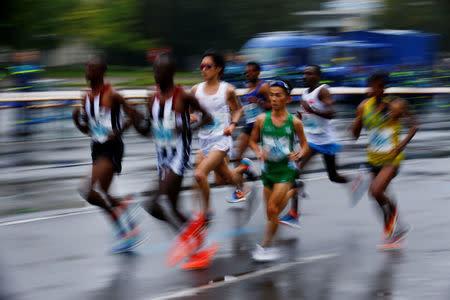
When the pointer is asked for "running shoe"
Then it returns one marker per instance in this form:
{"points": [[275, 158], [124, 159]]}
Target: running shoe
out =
{"points": [[129, 241], [238, 196], [290, 219], [201, 259], [391, 224], [188, 241], [250, 169], [261, 254]]}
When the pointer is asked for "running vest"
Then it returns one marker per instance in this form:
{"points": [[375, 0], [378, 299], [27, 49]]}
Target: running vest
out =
{"points": [[278, 141], [318, 130], [252, 110], [217, 106], [101, 120], [172, 132], [383, 135]]}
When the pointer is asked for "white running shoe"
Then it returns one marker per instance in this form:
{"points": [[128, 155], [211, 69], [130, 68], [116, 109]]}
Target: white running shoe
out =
{"points": [[261, 254]]}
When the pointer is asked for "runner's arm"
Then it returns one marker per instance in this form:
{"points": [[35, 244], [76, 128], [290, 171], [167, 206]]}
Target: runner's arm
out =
{"points": [[357, 123], [264, 91], [194, 106], [401, 107], [127, 108], [255, 135], [236, 112], [142, 123], [298, 127], [83, 127]]}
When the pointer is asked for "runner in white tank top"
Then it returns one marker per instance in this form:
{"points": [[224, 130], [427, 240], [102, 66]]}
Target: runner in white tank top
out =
{"points": [[213, 136], [316, 112], [218, 98]]}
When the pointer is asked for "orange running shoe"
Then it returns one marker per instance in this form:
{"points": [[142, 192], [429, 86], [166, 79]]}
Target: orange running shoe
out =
{"points": [[188, 241], [201, 259]]}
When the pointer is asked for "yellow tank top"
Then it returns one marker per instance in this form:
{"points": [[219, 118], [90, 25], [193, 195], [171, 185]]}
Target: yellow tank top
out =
{"points": [[383, 135]]}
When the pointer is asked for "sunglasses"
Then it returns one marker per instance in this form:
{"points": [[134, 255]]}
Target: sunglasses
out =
{"points": [[205, 66], [280, 84]]}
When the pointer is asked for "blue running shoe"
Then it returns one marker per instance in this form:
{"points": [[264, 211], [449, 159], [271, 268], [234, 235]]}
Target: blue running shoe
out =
{"points": [[290, 219], [238, 196], [251, 170]]}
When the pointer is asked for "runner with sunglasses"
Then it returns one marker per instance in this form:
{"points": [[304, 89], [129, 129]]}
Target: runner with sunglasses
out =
{"points": [[317, 111], [254, 102], [277, 131], [382, 117], [218, 98]]}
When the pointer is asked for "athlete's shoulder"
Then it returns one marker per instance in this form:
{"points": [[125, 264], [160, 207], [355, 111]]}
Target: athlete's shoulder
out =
{"points": [[195, 88], [230, 88], [261, 117]]}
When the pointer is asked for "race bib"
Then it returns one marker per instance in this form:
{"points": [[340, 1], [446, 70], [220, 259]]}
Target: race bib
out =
{"points": [[101, 128], [216, 128], [251, 111], [277, 148], [165, 132], [380, 140], [311, 124]]}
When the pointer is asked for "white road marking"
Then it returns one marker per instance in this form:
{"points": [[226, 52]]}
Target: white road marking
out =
{"points": [[189, 292]]}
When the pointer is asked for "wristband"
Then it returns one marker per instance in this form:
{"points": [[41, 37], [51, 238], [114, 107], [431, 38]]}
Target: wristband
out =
{"points": [[233, 123]]}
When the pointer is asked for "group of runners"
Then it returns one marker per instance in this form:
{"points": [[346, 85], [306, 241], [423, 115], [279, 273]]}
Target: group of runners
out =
{"points": [[283, 142]]}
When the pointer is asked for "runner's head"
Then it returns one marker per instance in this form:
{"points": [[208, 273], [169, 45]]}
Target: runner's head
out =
{"points": [[164, 69], [377, 81], [212, 66], [279, 94], [252, 72], [311, 75], [95, 70]]}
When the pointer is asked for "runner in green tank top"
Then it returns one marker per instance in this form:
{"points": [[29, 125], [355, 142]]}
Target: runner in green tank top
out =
{"points": [[276, 130]]}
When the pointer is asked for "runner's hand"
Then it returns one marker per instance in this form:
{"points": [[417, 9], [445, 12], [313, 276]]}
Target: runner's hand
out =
{"points": [[253, 99], [295, 155], [194, 118], [306, 106], [262, 154], [229, 130]]}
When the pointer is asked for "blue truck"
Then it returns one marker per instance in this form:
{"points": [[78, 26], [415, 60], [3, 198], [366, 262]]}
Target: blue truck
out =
{"points": [[346, 59]]}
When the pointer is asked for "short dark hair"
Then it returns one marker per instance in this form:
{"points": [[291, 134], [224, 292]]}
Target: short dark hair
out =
{"points": [[170, 59], [217, 58], [254, 64], [282, 83], [100, 61], [318, 69], [379, 75]]}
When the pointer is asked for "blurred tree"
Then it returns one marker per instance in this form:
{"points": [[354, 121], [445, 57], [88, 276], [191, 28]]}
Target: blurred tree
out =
{"points": [[193, 26], [426, 15]]}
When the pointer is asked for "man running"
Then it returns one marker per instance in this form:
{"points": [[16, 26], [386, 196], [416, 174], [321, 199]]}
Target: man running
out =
{"points": [[101, 117], [168, 117], [277, 130], [317, 111], [381, 117], [254, 102]]}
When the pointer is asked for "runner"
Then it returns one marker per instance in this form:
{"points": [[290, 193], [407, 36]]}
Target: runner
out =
{"points": [[317, 111], [254, 102], [381, 117], [277, 130], [215, 142], [168, 117], [101, 118]]}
